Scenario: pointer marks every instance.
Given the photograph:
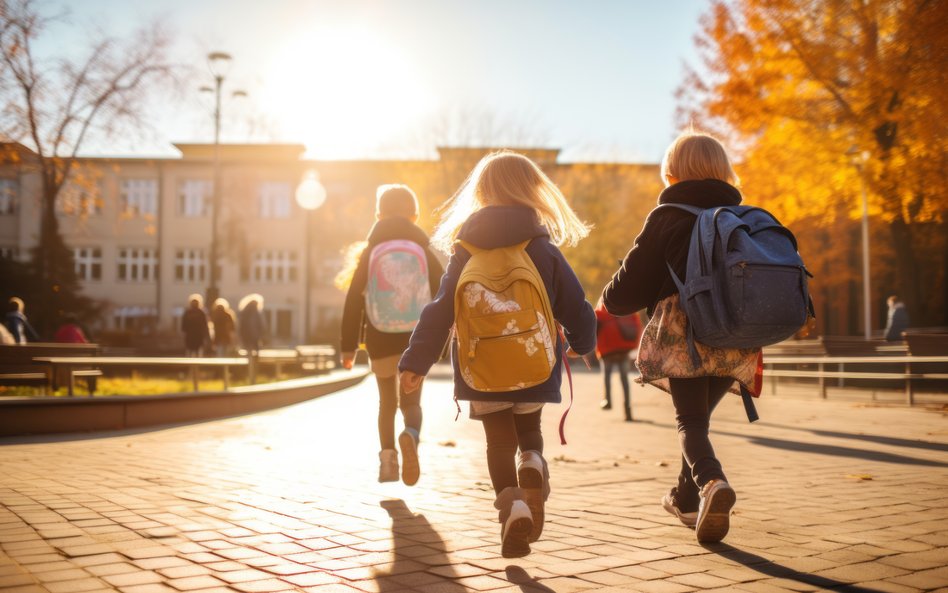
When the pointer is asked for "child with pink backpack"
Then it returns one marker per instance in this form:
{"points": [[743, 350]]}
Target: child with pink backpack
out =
{"points": [[395, 277]]}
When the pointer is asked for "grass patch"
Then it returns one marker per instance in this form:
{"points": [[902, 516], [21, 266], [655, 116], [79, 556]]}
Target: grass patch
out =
{"points": [[137, 385]]}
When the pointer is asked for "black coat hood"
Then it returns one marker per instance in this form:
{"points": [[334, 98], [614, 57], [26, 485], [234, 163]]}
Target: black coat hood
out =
{"points": [[499, 226]]}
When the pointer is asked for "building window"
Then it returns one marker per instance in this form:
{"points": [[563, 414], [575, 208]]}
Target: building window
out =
{"points": [[273, 265], [194, 198], [189, 265], [9, 252], [139, 196], [273, 199], [8, 195], [88, 262], [137, 264], [279, 320], [79, 199]]}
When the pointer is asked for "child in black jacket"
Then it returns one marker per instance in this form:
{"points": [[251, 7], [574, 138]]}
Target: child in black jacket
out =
{"points": [[396, 213]]}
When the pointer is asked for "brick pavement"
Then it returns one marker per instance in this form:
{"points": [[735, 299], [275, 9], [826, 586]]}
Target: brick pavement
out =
{"points": [[831, 495]]}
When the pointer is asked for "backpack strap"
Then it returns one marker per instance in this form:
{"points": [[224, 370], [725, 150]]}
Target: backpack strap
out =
{"points": [[569, 377]]}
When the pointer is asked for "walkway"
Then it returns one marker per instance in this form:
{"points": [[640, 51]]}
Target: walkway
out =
{"points": [[831, 495]]}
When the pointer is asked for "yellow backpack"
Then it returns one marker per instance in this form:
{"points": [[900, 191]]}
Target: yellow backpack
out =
{"points": [[505, 327]]}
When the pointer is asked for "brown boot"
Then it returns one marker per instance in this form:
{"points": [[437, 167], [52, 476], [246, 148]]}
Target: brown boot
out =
{"points": [[516, 523], [534, 478]]}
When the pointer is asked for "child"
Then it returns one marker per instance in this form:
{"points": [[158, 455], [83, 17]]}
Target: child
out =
{"points": [[696, 171], [394, 308], [507, 200], [194, 325], [616, 337]]}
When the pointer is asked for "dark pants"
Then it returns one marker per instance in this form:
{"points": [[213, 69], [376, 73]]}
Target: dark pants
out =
{"points": [[622, 365], [506, 432], [389, 401], [694, 401]]}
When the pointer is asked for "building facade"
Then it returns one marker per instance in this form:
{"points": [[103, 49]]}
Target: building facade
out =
{"points": [[140, 228]]}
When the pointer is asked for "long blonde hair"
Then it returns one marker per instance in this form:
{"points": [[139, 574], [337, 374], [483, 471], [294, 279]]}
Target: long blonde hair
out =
{"points": [[506, 178]]}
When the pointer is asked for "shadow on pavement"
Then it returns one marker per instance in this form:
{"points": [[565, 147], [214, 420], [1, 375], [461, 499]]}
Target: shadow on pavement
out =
{"points": [[772, 569], [520, 577], [839, 451], [870, 438], [410, 530]]}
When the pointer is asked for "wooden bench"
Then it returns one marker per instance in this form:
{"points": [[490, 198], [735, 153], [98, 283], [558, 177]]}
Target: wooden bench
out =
{"points": [[318, 358], [18, 367]]}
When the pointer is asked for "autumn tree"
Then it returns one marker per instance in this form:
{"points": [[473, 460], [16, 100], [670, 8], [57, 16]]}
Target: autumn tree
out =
{"points": [[53, 105], [801, 88]]}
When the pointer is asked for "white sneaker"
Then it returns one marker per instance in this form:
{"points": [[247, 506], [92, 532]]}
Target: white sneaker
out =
{"points": [[388, 465], [714, 511], [408, 443]]}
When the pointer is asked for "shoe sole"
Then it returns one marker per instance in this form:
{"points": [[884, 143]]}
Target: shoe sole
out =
{"points": [[516, 534], [716, 521], [410, 469], [531, 481]]}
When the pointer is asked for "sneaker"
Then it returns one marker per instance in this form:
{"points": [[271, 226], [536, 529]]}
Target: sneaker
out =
{"points": [[670, 504], [714, 511], [516, 523], [605, 404], [534, 478], [408, 443], [388, 465]]}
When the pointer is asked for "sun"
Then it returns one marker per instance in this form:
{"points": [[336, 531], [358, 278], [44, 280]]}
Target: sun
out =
{"points": [[343, 93]]}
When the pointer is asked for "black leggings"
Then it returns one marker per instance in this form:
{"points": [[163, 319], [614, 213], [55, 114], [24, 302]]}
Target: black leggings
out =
{"points": [[694, 401], [506, 432], [389, 401]]}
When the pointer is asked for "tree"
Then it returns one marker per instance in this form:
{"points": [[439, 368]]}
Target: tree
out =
{"points": [[53, 105], [797, 87]]}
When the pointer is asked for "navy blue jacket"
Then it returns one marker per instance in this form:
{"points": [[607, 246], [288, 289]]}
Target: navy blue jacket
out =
{"points": [[490, 228]]}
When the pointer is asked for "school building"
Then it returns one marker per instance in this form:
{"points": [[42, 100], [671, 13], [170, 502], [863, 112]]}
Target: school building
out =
{"points": [[140, 228]]}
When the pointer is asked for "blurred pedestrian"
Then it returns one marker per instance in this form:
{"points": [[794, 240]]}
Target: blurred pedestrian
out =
{"points": [[897, 320], [616, 338], [194, 325], [17, 323], [250, 323], [225, 327], [69, 332]]}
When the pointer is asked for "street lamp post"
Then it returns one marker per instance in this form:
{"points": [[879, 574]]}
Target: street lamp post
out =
{"points": [[859, 159], [218, 63], [310, 195]]}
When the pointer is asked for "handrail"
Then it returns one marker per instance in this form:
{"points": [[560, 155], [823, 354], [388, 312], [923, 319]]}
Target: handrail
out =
{"points": [[907, 375]]}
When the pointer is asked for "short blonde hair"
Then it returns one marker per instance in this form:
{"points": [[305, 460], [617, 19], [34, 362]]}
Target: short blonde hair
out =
{"points": [[507, 178], [694, 155], [251, 298], [395, 199], [196, 297]]}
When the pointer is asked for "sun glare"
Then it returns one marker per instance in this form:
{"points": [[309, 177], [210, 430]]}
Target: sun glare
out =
{"points": [[343, 93]]}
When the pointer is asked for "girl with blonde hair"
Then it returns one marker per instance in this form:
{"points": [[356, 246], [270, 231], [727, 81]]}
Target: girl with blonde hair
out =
{"points": [[697, 172], [507, 200]]}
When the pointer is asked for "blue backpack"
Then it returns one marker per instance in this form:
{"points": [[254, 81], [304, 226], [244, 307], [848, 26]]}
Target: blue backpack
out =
{"points": [[746, 285]]}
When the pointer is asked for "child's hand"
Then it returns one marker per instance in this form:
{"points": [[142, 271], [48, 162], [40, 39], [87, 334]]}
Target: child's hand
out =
{"points": [[409, 381], [347, 359]]}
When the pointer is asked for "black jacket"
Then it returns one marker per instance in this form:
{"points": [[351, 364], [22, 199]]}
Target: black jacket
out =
{"points": [[643, 279], [490, 228], [381, 344]]}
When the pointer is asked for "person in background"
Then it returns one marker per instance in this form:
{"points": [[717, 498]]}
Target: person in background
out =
{"points": [[194, 326], [616, 338], [17, 323], [251, 325], [897, 320], [70, 332], [225, 327]]}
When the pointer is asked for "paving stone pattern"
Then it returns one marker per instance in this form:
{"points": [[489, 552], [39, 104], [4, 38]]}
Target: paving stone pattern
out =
{"points": [[831, 496]]}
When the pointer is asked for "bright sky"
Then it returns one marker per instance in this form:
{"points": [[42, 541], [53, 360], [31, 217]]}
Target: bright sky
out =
{"points": [[367, 78]]}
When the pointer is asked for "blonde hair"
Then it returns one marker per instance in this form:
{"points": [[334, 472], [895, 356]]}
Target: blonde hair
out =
{"points": [[196, 297], [395, 199], [506, 178], [251, 298], [694, 155], [221, 302], [350, 261]]}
